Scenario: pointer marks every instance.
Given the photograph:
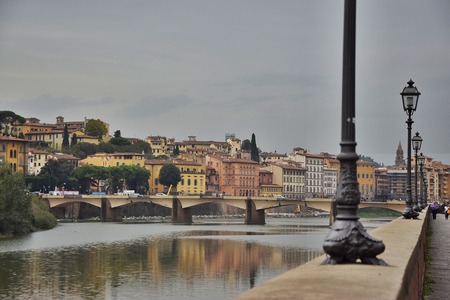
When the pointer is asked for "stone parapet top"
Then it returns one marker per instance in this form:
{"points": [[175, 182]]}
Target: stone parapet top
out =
{"points": [[402, 279]]}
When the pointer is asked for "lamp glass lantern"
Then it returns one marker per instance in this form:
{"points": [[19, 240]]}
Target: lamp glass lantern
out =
{"points": [[417, 142], [421, 159], [410, 97]]}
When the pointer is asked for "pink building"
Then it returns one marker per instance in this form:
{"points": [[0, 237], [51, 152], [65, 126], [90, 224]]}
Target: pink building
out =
{"points": [[237, 177]]}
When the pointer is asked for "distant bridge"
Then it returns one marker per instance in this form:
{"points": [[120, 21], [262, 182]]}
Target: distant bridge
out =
{"points": [[181, 205]]}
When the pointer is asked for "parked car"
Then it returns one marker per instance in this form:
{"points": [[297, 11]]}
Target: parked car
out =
{"points": [[280, 197], [160, 194]]}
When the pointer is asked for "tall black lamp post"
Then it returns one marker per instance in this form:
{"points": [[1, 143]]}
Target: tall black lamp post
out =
{"points": [[410, 97], [417, 144], [348, 241], [421, 160], [425, 183]]}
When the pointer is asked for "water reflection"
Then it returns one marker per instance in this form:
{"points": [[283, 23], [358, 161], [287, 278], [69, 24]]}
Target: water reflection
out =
{"points": [[196, 264]]}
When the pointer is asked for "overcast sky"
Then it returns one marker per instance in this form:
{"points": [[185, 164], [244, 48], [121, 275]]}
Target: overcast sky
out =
{"points": [[206, 68]]}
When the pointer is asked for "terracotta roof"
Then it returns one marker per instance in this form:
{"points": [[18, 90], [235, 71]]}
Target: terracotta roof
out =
{"points": [[12, 139], [37, 151]]}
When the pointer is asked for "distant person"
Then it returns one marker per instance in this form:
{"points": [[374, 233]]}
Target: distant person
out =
{"points": [[434, 209], [446, 210]]}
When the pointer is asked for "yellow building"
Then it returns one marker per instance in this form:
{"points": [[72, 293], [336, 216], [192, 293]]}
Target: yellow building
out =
{"points": [[32, 125], [13, 153], [114, 159], [366, 179], [158, 145], [193, 176]]}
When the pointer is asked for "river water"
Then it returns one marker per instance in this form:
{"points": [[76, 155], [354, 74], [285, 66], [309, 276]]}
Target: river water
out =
{"points": [[211, 259]]}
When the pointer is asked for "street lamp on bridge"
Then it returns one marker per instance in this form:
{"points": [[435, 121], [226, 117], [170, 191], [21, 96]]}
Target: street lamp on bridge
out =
{"points": [[417, 144], [421, 160], [410, 97]]}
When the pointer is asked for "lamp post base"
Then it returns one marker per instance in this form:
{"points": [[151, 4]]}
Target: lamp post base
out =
{"points": [[417, 208], [348, 242], [409, 213]]}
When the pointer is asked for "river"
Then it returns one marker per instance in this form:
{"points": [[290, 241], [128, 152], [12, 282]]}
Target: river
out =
{"points": [[211, 259]]}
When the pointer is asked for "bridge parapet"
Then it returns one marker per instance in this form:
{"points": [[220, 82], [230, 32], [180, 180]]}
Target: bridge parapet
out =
{"points": [[401, 279]]}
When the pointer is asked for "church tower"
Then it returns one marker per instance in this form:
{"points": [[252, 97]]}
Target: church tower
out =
{"points": [[399, 155]]}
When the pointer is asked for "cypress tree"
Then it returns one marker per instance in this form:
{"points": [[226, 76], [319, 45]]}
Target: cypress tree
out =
{"points": [[254, 149], [65, 142], [74, 140]]}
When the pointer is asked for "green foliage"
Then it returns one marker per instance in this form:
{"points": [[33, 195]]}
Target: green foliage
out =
{"points": [[176, 150], [82, 150], [140, 146], [15, 203], [254, 149], [90, 175], [42, 217], [117, 178], [8, 119], [119, 141], [246, 145], [117, 134], [96, 128], [107, 148], [74, 140], [169, 175], [65, 142]]}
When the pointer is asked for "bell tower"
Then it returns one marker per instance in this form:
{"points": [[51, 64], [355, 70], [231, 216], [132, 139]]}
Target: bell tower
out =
{"points": [[399, 155]]}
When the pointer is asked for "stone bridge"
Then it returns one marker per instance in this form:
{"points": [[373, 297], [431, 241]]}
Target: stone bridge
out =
{"points": [[181, 205]]}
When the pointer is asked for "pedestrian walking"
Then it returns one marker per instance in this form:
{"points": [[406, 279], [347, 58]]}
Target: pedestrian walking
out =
{"points": [[434, 209], [446, 210]]}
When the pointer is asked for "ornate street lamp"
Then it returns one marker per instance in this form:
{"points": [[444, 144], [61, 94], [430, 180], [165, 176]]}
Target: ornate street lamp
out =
{"points": [[417, 144], [410, 97], [421, 160], [348, 241]]}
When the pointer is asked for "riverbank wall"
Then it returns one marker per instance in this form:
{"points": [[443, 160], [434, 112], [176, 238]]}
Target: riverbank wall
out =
{"points": [[405, 241]]}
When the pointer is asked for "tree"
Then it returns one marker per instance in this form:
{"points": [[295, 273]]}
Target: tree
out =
{"points": [[117, 134], [140, 146], [176, 150], [74, 140], [65, 142], [8, 119], [88, 175], [96, 128], [136, 178], [82, 150], [57, 173], [169, 175], [254, 149], [246, 145], [119, 141], [15, 203]]}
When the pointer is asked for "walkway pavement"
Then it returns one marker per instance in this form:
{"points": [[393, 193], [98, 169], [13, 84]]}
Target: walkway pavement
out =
{"points": [[439, 268]]}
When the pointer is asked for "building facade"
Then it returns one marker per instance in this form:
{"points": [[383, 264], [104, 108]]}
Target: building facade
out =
{"points": [[14, 153], [237, 177], [114, 159], [314, 175], [365, 171]]}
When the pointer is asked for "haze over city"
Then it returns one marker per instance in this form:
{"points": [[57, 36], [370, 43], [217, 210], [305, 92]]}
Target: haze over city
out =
{"points": [[207, 68]]}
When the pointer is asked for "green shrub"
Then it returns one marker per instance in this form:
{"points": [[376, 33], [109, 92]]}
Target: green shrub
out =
{"points": [[44, 220]]}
